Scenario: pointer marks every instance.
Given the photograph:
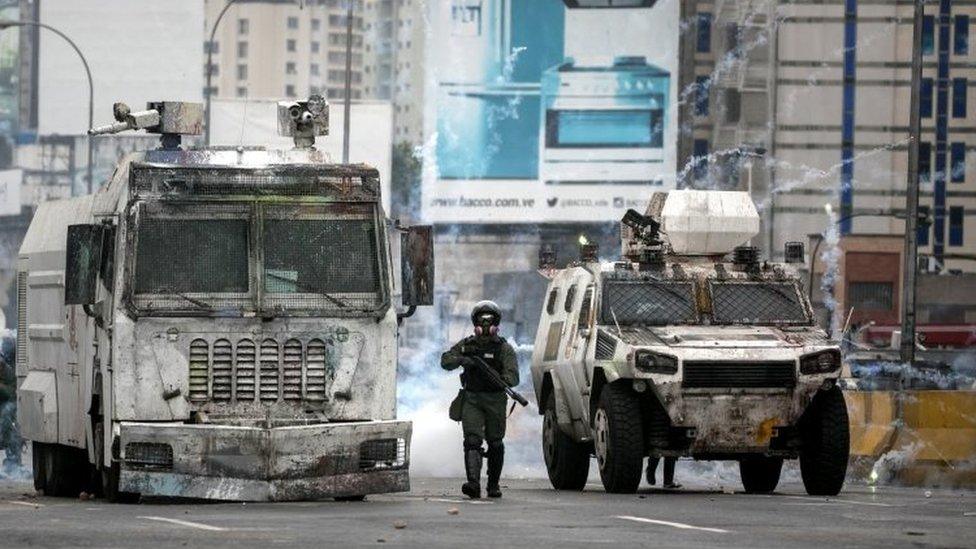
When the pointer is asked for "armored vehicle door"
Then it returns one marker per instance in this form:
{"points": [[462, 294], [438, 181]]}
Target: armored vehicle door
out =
{"points": [[579, 342]]}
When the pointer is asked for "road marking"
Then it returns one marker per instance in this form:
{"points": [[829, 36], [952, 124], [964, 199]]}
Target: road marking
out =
{"points": [[188, 524], [840, 501], [24, 503], [680, 525], [969, 514]]}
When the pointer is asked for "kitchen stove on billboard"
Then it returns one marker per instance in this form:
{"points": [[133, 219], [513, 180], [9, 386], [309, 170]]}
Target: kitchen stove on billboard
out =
{"points": [[551, 105]]}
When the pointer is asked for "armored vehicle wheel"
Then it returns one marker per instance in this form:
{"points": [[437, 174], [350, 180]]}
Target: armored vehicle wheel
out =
{"points": [[63, 469], [760, 474], [567, 461], [110, 486], [618, 438], [37, 462], [826, 444]]}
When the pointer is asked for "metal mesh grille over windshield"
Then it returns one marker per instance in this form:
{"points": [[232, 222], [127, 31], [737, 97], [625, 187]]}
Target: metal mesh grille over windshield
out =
{"points": [[649, 302], [756, 302]]}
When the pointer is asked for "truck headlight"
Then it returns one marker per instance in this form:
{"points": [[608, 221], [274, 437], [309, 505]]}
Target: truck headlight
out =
{"points": [[820, 363], [655, 363]]}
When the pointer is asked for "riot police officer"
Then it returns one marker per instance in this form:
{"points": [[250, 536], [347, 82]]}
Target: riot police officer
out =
{"points": [[480, 402]]}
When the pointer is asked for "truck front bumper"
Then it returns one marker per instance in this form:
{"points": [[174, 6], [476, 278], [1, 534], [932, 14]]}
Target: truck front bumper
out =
{"points": [[234, 463]]}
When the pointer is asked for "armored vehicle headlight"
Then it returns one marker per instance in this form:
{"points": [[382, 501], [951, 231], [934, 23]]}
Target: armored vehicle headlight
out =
{"points": [[820, 363], [654, 363]]}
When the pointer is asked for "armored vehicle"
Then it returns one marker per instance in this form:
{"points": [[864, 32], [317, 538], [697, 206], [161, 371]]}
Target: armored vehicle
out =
{"points": [[218, 323], [681, 350]]}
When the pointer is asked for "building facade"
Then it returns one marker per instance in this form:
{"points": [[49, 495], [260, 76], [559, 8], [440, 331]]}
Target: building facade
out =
{"points": [[807, 103]]}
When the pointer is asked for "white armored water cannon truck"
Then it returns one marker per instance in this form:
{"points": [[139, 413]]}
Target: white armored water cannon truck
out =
{"points": [[219, 323], [682, 350]]}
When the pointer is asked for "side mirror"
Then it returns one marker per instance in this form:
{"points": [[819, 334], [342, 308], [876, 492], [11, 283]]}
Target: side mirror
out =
{"points": [[417, 265], [83, 255]]}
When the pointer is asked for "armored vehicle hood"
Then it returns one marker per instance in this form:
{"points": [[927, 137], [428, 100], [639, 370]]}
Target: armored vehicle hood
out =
{"points": [[712, 337]]}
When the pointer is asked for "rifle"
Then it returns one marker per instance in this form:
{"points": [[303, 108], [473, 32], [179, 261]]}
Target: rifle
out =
{"points": [[497, 380]]}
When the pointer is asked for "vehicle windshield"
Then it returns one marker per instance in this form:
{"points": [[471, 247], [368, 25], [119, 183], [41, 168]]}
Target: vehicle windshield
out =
{"points": [[214, 257], [757, 303], [648, 303]]}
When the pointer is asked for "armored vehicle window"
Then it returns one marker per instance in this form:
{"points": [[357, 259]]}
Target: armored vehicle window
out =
{"points": [[329, 251], [586, 309], [757, 303], [570, 297], [648, 303], [192, 256], [551, 305]]}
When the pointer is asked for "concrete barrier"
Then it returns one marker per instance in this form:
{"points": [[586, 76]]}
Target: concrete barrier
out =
{"points": [[920, 438]]}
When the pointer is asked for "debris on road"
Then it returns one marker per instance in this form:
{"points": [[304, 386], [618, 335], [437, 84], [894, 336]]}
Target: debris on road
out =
{"points": [[453, 511], [399, 524]]}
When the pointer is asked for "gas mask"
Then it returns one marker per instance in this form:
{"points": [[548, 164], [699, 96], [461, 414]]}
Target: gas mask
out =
{"points": [[486, 324]]}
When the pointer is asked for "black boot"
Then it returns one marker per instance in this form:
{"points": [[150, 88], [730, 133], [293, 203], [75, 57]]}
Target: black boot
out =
{"points": [[472, 467], [496, 459]]}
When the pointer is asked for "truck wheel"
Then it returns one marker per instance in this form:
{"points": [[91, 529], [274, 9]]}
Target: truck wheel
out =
{"points": [[65, 470], [760, 474], [826, 444], [567, 461], [110, 485], [618, 437], [38, 450]]}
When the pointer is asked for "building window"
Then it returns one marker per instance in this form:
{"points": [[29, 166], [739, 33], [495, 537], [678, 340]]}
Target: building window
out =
{"points": [[704, 32], [314, 69], [242, 72], [242, 49], [292, 22], [214, 70], [959, 90], [211, 47], [922, 233], [701, 95], [958, 162], [924, 162], [872, 296], [243, 26], [212, 91], [955, 226], [925, 101], [290, 90], [290, 68], [733, 105], [241, 92], [315, 47], [316, 24], [699, 160], [960, 43], [928, 34], [732, 40], [290, 45]]}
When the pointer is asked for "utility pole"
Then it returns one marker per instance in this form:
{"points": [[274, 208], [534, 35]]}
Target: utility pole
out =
{"points": [[347, 107], [910, 255]]}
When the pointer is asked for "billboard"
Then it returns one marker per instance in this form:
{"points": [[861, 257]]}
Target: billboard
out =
{"points": [[549, 110], [137, 50]]}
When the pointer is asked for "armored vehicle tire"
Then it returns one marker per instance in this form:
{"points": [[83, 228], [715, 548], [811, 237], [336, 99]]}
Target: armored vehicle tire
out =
{"points": [[826, 444], [110, 486], [618, 437], [63, 469], [567, 461], [760, 474]]}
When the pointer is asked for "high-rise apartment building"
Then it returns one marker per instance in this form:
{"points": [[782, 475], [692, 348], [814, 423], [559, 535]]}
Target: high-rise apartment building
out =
{"points": [[394, 55], [807, 104], [282, 48]]}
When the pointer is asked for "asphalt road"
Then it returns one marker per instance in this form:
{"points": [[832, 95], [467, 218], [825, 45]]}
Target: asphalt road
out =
{"points": [[530, 515]]}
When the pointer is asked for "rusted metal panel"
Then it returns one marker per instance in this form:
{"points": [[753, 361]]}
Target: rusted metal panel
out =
{"points": [[417, 265]]}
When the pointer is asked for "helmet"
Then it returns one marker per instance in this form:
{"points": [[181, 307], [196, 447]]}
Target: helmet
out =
{"points": [[486, 316]]}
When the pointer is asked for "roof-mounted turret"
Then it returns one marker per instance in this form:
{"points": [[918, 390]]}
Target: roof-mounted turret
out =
{"points": [[303, 120], [705, 223], [170, 119]]}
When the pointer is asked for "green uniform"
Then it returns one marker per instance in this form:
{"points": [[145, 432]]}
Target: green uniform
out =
{"points": [[483, 411]]}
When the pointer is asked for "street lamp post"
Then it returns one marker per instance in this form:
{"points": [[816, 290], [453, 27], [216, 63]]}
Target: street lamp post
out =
{"points": [[208, 91], [91, 87]]}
